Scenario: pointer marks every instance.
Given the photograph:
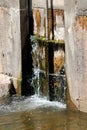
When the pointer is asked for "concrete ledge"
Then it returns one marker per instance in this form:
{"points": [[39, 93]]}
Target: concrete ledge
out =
{"points": [[4, 84]]}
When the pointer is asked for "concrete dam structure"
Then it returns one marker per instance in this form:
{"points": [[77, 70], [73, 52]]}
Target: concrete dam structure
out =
{"points": [[76, 53], [59, 22]]}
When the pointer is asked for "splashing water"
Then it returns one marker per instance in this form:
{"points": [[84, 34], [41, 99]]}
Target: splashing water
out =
{"points": [[15, 104]]}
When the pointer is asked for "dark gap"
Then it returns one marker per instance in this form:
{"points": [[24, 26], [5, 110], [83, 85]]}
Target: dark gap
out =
{"points": [[59, 46], [51, 71], [51, 58]]}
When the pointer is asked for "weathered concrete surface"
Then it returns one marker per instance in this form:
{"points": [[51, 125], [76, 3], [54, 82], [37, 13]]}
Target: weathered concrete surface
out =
{"points": [[76, 53], [53, 23], [10, 39], [57, 4], [4, 83]]}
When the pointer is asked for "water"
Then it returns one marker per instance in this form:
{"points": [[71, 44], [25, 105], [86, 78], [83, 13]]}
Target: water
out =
{"points": [[36, 113], [49, 77], [15, 103]]}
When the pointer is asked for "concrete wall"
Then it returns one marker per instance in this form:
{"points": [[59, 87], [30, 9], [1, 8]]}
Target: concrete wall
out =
{"points": [[10, 43], [57, 4], [43, 24], [76, 53]]}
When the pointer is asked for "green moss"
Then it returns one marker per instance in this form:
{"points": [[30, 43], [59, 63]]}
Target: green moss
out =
{"points": [[19, 83], [44, 40], [19, 86]]}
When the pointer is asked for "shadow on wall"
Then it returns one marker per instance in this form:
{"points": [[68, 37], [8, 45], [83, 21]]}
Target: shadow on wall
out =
{"points": [[12, 90]]}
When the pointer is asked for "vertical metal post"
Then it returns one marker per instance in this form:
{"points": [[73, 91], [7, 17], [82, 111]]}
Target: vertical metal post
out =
{"points": [[29, 16], [27, 12], [47, 36], [27, 72], [52, 18], [50, 52], [47, 52]]}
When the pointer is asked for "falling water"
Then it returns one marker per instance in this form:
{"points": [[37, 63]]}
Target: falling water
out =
{"points": [[36, 70], [57, 79]]}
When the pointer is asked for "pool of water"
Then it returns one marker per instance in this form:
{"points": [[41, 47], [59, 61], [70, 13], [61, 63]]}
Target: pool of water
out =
{"points": [[36, 113]]}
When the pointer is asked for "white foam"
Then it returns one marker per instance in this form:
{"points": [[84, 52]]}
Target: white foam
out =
{"points": [[33, 102]]}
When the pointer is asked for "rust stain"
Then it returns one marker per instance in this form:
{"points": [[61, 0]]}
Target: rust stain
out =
{"points": [[44, 26], [70, 104], [82, 20], [60, 13], [38, 21], [50, 19], [56, 84], [58, 63]]}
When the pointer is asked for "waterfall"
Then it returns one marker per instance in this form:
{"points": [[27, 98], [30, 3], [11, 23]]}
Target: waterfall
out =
{"points": [[36, 65], [55, 70]]}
